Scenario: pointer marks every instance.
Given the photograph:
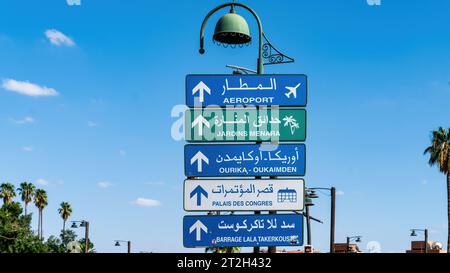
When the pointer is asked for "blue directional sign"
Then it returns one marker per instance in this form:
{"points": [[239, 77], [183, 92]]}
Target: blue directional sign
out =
{"points": [[228, 90], [218, 160], [243, 230]]}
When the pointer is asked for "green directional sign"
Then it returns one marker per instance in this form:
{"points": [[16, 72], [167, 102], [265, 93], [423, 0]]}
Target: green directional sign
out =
{"points": [[245, 124]]}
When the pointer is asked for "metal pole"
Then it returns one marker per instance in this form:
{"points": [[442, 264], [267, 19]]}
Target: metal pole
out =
{"points": [[348, 244], [272, 249], [86, 243], [129, 247], [308, 226], [260, 64], [259, 71], [332, 221], [256, 249], [426, 240]]}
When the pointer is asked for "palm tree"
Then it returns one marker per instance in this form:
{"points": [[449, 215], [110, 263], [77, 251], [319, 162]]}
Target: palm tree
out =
{"points": [[7, 192], [26, 191], [440, 156], [65, 210], [291, 122], [40, 200]]}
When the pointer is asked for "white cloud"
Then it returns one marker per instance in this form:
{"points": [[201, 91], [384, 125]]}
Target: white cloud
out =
{"points": [[91, 124], [424, 182], [144, 202], [340, 193], [25, 120], [27, 148], [28, 89], [58, 38], [42, 182], [104, 184]]}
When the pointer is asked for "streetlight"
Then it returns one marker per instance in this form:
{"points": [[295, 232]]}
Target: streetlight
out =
{"points": [[117, 243], [333, 213], [425, 232], [233, 30], [309, 196], [84, 224], [357, 239]]}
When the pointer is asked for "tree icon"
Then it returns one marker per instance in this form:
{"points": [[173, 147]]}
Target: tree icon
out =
{"points": [[292, 123]]}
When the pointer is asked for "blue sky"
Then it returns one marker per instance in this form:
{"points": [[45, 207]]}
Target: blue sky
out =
{"points": [[101, 138]]}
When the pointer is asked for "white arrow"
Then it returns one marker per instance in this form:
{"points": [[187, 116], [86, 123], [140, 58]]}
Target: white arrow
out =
{"points": [[201, 87], [199, 157], [198, 227], [200, 121]]}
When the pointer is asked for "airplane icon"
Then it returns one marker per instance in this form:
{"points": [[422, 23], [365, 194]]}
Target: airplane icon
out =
{"points": [[292, 90]]}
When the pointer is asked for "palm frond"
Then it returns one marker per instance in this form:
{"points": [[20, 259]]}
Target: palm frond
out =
{"points": [[439, 151]]}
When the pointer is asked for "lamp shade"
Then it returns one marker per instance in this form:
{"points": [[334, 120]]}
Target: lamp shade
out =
{"points": [[232, 29], [308, 201]]}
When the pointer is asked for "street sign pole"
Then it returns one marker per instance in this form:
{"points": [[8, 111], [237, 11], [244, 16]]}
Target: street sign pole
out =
{"points": [[281, 122], [260, 71], [283, 99], [272, 249]]}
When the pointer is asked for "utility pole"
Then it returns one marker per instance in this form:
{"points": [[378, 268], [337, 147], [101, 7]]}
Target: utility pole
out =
{"points": [[86, 243], [332, 221], [308, 226]]}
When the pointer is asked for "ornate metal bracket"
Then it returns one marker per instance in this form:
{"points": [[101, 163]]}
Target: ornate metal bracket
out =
{"points": [[272, 55]]}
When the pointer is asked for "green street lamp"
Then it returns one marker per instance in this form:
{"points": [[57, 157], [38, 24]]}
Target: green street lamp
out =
{"points": [[117, 243], [232, 30], [84, 224], [425, 232], [332, 191], [356, 239], [309, 196]]}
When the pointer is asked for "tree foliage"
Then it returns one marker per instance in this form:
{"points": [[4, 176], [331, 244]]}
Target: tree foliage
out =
{"points": [[16, 234]]}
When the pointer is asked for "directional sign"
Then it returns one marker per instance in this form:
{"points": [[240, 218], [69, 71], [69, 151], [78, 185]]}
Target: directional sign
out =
{"points": [[243, 230], [244, 195], [227, 90], [215, 160], [245, 124]]}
